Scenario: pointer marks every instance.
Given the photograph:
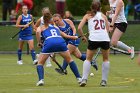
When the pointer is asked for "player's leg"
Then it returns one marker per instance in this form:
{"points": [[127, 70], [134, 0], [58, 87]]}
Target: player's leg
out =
{"points": [[40, 69], [86, 66], [82, 57], [71, 50], [115, 42], [105, 67], [73, 66], [33, 54], [19, 52]]}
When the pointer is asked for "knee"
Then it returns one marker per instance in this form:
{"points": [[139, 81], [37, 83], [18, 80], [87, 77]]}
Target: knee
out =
{"points": [[113, 43]]}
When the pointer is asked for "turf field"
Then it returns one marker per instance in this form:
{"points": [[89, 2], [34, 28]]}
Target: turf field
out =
{"points": [[124, 77]]}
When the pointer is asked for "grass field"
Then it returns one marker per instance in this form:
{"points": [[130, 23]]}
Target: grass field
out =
{"points": [[124, 77]]}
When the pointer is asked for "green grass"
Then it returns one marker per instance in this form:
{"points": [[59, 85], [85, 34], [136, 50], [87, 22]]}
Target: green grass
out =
{"points": [[131, 37], [123, 77]]}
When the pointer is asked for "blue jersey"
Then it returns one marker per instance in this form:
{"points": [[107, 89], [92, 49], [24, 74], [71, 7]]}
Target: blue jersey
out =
{"points": [[68, 30], [53, 41], [25, 34]]}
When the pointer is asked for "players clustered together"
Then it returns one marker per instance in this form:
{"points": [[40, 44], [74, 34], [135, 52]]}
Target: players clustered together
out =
{"points": [[57, 35]]}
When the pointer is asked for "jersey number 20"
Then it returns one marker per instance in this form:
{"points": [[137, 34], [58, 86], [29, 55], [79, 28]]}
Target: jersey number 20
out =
{"points": [[99, 24]]}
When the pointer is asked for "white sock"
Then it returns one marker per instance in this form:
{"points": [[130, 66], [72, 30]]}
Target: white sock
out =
{"points": [[48, 61], [86, 69], [123, 46], [105, 70]]}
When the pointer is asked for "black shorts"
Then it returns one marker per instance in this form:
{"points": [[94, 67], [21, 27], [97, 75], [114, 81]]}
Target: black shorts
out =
{"points": [[93, 45], [121, 26]]}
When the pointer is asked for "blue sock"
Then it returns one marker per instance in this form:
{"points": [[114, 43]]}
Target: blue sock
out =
{"points": [[40, 71], [65, 64], [83, 57], [74, 69], [19, 52], [33, 54]]}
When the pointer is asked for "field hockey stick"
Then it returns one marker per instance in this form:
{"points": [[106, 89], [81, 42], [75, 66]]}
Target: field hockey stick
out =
{"points": [[93, 63], [84, 35], [22, 29], [119, 50], [55, 61], [95, 57]]}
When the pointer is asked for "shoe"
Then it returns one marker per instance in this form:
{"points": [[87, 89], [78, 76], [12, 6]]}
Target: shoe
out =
{"points": [[62, 72], [35, 62], [132, 53], [83, 83], [20, 62], [103, 83], [48, 65], [79, 80], [94, 64], [40, 83]]}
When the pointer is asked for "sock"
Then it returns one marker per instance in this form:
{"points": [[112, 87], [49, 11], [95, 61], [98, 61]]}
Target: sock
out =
{"points": [[65, 64], [83, 57], [40, 71], [86, 69], [123, 46], [19, 52], [74, 69], [105, 70], [33, 55]]}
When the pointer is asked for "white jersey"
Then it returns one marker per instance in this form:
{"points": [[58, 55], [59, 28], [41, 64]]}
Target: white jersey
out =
{"points": [[42, 21], [97, 28], [121, 17]]}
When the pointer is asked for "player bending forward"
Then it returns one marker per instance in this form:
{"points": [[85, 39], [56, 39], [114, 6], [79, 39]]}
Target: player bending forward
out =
{"points": [[53, 43]]}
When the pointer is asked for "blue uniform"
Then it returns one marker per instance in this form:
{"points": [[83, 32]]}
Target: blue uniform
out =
{"points": [[53, 41], [26, 34], [67, 30]]}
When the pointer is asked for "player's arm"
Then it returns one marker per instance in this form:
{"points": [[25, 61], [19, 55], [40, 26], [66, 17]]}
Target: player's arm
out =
{"points": [[18, 22], [68, 36], [117, 11], [106, 22], [33, 25], [71, 25], [38, 34], [37, 24], [80, 26]]}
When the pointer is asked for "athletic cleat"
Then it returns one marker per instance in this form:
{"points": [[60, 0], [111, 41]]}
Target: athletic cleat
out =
{"points": [[40, 83], [79, 80], [48, 65], [94, 64], [103, 83], [83, 83], [20, 62], [35, 62], [60, 71], [132, 53]]}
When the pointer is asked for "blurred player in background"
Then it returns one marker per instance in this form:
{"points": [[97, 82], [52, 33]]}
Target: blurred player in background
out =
{"points": [[98, 38], [40, 22], [67, 26], [53, 43], [26, 34], [118, 26], [68, 15]]}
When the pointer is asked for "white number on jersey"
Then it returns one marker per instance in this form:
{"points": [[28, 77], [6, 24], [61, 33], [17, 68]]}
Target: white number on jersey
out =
{"points": [[53, 32]]}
